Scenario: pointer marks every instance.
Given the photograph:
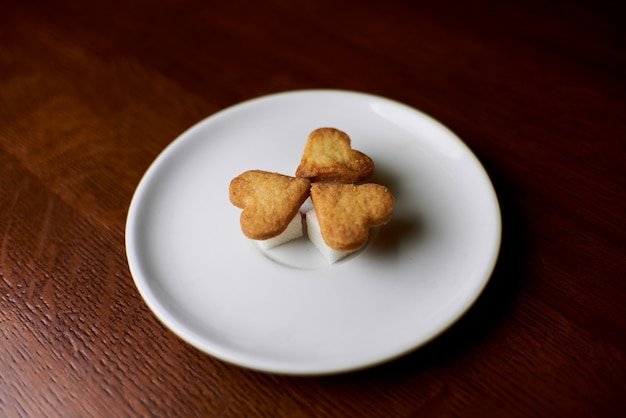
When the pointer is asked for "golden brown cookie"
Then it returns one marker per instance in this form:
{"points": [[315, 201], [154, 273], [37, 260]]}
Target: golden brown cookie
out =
{"points": [[328, 156], [346, 212], [269, 201]]}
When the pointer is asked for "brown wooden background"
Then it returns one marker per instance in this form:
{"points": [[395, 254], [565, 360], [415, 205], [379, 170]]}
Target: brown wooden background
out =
{"points": [[91, 92]]}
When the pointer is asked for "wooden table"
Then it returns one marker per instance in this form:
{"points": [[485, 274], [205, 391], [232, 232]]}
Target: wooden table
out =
{"points": [[91, 93]]}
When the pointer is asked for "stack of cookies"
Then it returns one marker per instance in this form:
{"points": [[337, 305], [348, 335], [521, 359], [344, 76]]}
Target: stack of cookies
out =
{"points": [[333, 175]]}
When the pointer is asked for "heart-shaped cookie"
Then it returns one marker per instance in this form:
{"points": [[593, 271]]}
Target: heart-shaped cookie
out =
{"points": [[346, 212], [269, 201], [328, 156]]}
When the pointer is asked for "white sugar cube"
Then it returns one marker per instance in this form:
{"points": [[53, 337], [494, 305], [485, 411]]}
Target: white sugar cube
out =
{"points": [[294, 230]]}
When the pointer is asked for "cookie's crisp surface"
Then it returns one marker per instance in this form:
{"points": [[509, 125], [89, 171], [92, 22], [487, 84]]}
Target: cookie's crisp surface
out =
{"points": [[328, 156], [345, 212], [269, 201]]}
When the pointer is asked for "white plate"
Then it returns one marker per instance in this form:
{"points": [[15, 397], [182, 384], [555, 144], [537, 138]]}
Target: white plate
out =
{"points": [[286, 310]]}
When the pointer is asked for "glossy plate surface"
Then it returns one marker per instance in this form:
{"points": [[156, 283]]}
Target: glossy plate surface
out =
{"points": [[286, 310]]}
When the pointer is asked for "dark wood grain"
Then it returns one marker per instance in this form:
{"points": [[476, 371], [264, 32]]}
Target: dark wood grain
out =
{"points": [[91, 93]]}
